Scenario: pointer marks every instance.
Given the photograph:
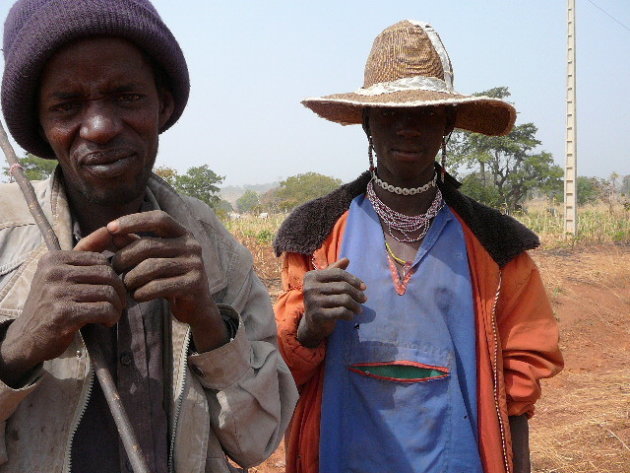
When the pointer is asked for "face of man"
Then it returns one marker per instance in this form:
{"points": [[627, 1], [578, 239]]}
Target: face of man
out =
{"points": [[406, 140], [101, 112]]}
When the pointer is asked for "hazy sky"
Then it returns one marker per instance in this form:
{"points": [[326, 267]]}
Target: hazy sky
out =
{"points": [[251, 62]]}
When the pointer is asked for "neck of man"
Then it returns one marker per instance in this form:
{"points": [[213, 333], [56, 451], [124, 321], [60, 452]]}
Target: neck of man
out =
{"points": [[92, 216], [407, 204]]}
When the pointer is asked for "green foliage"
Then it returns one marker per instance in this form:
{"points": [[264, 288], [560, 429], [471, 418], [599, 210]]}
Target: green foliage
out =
{"points": [[589, 190], [248, 202], [36, 169], [473, 185], [299, 189], [166, 173], [224, 207], [199, 182], [506, 163]]}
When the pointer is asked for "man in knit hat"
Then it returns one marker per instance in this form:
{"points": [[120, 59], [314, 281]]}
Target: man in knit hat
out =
{"points": [[186, 326]]}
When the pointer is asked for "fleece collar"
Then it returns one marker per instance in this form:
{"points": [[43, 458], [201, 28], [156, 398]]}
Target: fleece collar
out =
{"points": [[309, 225]]}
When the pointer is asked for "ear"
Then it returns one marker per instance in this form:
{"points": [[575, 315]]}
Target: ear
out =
{"points": [[167, 105], [451, 116]]}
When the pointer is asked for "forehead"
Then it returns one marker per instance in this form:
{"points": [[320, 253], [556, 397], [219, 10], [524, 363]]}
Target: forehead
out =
{"points": [[427, 111], [94, 63]]}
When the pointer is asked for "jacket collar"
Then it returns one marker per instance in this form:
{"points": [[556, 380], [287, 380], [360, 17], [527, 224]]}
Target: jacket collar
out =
{"points": [[308, 226]]}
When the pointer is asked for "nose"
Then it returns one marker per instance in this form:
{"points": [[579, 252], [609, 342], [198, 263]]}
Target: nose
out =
{"points": [[408, 127], [100, 123]]}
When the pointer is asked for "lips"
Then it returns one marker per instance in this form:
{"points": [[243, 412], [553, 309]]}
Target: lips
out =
{"points": [[107, 164], [407, 154]]}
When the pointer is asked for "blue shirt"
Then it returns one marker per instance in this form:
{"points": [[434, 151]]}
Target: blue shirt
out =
{"points": [[400, 380]]}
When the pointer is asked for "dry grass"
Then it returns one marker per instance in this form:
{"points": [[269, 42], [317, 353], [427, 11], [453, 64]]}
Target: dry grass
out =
{"points": [[590, 423], [257, 235], [597, 224]]}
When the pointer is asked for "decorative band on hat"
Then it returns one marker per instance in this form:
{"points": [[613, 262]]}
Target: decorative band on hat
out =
{"points": [[430, 84]]}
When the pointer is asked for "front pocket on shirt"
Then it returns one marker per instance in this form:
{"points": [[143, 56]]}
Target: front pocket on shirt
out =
{"points": [[403, 371], [396, 407]]}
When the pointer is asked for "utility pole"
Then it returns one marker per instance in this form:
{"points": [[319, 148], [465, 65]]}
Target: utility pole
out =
{"points": [[570, 175]]}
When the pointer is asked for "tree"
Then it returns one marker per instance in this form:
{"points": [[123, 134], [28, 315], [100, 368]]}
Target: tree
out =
{"points": [[200, 182], [506, 162], [625, 185], [248, 201], [35, 168], [473, 185], [589, 190], [270, 202], [297, 190], [166, 173]]}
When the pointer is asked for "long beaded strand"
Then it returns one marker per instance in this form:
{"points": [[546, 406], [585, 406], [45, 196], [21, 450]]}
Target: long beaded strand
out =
{"points": [[405, 224]]}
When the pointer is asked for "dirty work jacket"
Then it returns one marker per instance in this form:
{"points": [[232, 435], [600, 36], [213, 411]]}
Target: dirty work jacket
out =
{"points": [[516, 332], [235, 400]]}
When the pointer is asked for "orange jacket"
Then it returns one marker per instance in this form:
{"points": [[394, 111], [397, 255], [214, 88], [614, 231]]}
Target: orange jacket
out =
{"points": [[517, 346]]}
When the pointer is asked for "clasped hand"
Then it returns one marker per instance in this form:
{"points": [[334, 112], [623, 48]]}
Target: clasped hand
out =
{"points": [[330, 295], [73, 288]]}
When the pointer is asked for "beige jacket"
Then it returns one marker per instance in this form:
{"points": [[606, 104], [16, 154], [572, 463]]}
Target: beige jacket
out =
{"points": [[238, 401]]}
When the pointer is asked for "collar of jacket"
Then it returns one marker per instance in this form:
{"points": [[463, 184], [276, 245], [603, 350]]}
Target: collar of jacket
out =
{"points": [[309, 225]]}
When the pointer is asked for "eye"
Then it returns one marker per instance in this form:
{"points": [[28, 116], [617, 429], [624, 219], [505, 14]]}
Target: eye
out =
{"points": [[63, 107], [129, 98]]}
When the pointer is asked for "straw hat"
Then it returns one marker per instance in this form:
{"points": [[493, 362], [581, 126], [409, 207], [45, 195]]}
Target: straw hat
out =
{"points": [[409, 67]]}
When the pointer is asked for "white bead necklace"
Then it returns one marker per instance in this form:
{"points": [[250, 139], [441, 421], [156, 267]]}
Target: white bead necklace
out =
{"points": [[405, 224], [403, 190]]}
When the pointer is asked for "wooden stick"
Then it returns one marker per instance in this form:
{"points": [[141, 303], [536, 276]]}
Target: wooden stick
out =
{"points": [[125, 431]]}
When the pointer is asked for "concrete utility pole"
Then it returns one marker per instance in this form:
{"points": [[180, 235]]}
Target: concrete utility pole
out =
{"points": [[570, 175]]}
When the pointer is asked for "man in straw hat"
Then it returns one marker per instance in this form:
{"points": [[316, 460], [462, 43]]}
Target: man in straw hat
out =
{"points": [[415, 324], [187, 327]]}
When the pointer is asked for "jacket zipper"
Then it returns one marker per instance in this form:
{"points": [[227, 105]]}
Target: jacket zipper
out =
{"points": [[75, 427], [495, 376], [178, 406]]}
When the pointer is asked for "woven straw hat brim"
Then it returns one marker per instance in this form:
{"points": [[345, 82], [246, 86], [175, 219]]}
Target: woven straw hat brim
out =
{"points": [[484, 115]]}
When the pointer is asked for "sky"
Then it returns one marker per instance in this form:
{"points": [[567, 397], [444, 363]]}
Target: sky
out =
{"points": [[251, 62]]}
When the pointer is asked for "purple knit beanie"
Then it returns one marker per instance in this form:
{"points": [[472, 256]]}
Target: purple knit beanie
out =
{"points": [[35, 29]]}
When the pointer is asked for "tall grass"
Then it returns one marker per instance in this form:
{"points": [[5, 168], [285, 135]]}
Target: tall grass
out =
{"points": [[257, 235], [597, 225]]}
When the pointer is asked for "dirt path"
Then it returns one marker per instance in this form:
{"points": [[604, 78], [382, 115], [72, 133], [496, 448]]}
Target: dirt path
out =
{"points": [[583, 420], [582, 423]]}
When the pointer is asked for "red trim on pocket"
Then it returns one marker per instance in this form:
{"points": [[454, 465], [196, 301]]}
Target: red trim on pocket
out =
{"points": [[416, 364]]}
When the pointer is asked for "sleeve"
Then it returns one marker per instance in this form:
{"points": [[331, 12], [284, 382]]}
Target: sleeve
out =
{"points": [[249, 388], [529, 335], [303, 362], [10, 399]]}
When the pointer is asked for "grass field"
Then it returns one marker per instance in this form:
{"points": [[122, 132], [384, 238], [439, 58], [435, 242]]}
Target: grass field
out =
{"points": [[598, 224]]}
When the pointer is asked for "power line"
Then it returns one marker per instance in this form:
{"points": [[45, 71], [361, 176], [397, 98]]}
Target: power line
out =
{"points": [[608, 14]]}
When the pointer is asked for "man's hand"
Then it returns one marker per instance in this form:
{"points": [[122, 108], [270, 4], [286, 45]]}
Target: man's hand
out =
{"points": [[330, 294], [70, 289], [168, 264]]}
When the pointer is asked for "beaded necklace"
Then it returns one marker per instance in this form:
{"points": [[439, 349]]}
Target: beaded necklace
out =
{"points": [[396, 258], [403, 190], [401, 223]]}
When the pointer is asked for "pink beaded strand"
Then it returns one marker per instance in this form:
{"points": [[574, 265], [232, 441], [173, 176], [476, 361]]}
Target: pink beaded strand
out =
{"points": [[405, 224]]}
